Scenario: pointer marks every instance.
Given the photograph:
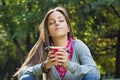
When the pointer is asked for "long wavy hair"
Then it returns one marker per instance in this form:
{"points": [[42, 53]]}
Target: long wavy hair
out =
{"points": [[38, 53]]}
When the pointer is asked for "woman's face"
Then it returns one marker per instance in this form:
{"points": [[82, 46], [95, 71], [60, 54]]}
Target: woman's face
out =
{"points": [[57, 25]]}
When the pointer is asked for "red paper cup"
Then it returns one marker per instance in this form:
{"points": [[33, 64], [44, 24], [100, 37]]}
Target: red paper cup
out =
{"points": [[56, 49]]}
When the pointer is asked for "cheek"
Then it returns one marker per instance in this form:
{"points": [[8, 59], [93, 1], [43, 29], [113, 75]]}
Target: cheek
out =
{"points": [[67, 28], [50, 31]]}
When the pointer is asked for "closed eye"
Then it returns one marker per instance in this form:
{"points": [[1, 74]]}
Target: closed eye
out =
{"points": [[61, 20], [51, 22]]}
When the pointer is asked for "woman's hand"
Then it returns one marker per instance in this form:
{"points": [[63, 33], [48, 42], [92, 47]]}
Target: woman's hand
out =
{"points": [[62, 57], [51, 60], [58, 58]]}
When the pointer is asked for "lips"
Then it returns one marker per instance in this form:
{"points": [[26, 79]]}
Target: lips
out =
{"points": [[58, 28]]}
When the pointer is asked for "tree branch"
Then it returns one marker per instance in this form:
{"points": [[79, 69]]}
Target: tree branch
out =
{"points": [[20, 51], [116, 12], [3, 2]]}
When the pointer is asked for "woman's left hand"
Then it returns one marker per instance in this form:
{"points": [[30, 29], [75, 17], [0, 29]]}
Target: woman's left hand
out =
{"points": [[62, 57]]}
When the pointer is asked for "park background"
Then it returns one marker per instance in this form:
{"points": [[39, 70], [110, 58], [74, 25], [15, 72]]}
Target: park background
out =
{"points": [[96, 22]]}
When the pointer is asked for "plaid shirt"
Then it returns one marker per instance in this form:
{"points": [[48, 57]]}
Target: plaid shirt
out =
{"points": [[69, 48]]}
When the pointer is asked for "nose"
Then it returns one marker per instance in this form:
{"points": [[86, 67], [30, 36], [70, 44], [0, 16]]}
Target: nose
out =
{"points": [[57, 23]]}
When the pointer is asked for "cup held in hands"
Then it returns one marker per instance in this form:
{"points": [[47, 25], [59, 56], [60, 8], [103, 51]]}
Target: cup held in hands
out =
{"points": [[56, 49]]}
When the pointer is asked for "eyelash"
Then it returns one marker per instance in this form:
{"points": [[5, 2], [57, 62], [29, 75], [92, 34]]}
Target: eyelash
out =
{"points": [[61, 20], [54, 22]]}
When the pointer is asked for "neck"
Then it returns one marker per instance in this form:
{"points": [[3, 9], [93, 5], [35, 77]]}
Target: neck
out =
{"points": [[60, 41]]}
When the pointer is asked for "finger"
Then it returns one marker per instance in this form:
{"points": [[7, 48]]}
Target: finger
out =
{"points": [[61, 53], [49, 53], [62, 50], [51, 61], [55, 63], [62, 60], [64, 63]]}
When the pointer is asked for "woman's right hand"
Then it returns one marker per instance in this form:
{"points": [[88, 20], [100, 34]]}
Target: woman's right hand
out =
{"points": [[50, 61]]}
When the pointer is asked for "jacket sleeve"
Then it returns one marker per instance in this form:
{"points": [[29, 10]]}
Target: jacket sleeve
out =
{"points": [[86, 65], [32, 70]]}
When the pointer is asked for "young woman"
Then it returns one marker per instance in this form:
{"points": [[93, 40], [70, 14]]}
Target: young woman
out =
{"points": [[73, 62]]}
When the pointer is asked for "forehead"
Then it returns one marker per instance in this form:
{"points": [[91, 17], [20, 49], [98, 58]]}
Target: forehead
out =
{"points": [[55, 14]]}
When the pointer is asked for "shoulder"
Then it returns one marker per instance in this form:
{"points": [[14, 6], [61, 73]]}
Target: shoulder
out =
{"points": [[80, 46], [80, 43]]}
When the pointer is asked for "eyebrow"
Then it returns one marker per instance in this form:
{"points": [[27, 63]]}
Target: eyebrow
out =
{"points": [[53, 18]]}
